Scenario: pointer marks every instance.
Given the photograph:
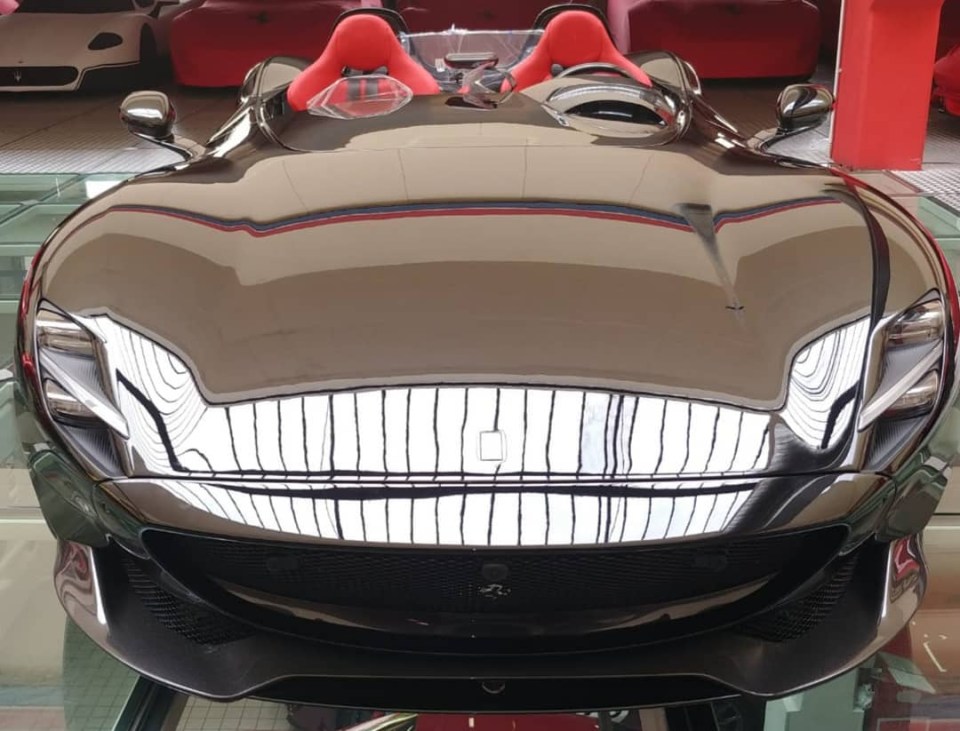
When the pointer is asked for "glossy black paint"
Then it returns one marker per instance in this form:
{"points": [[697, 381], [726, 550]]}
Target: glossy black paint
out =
{"points": [[491, 330]]}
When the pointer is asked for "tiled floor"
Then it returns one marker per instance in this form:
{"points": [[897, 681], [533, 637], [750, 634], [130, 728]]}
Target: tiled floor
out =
{"points": [[246, 715], [79, 689], [82, 133]]}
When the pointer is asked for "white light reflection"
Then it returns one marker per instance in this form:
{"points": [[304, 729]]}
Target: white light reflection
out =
{"points": [[424, 430], [436, 430], [823, 380], [302, 460], [501, 517]]}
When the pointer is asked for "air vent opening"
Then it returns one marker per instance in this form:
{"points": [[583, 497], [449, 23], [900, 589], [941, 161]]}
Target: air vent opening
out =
{"points": [[615, 110]]}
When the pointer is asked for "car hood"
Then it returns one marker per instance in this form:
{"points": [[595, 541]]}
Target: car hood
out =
{"points": [[696, 285]]}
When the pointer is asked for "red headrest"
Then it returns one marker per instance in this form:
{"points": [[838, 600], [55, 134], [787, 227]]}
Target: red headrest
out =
{"points": [[575, 37], [571, 38], [364, 43]]}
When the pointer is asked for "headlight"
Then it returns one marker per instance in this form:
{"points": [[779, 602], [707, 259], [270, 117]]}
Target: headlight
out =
{"points": [[56, 332], [913, 351], [70, 370], [919, 325], [103, 41]]}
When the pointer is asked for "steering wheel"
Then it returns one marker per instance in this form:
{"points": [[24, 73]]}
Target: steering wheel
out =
{"points": [[595, 67]]}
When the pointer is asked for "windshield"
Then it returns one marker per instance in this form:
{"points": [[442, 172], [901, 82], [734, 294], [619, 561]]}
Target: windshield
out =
{"points": [[439, 15], [77, 6], [358, 97], [507, 46]]}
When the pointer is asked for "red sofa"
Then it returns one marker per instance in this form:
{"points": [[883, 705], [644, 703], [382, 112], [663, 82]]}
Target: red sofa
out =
{"points": [[724, 38], [949, 27], [216, 43], [830, 11]]}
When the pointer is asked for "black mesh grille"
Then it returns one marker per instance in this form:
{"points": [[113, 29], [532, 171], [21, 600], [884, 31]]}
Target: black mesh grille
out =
{"points": [[888, 437], [190, 621], [486, 582], [794, 620], [37, 75]]}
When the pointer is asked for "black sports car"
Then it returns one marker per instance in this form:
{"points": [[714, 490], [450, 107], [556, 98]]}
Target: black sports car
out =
{"points": [[502, 374]]}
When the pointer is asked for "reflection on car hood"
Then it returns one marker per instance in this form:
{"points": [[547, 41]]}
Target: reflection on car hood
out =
{"points": [[691, 311], [559, 292], [478, 432]]}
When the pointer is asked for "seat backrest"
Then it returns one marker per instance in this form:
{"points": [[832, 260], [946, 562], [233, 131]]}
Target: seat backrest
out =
{"points": [[572, 38], [362, 43]]}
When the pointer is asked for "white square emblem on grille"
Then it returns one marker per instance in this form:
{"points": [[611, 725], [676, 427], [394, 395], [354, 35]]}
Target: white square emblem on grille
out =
{"points": [[493, 446]]}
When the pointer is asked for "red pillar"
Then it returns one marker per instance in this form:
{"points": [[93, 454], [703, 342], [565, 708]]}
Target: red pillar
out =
{"points": [[887, 52]]}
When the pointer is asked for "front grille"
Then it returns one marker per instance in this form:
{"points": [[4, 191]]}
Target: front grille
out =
{"points": [[794, 620], [487, 582], [37, 75], [188, 620]]}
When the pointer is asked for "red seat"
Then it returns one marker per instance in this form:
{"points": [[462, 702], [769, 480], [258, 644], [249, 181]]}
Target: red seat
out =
{"points": [[572, 38], [728, 38], [946, 81], [361, 43]]}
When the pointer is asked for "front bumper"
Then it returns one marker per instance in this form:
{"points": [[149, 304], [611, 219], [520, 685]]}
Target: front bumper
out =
{"points": [[39, 78], [68, 78], [884, 591], [214, 651]]}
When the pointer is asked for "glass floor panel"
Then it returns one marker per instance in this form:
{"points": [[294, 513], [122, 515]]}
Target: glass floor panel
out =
{"points": [[85, 188], [26, 189], [31, 206], [33, 223]]}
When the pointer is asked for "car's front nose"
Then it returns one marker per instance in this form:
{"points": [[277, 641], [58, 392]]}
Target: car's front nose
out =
{"points": [[503, 521], [403, 441], [484, 563], [154, 629]]}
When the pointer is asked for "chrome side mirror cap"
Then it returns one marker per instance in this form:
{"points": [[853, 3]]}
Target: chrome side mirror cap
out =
{"points": [[150, 115], [801, 107]]}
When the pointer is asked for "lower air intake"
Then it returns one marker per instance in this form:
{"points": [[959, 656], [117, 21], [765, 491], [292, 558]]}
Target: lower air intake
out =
{"points": [[792, 621], [489, 582], [192, 622]]}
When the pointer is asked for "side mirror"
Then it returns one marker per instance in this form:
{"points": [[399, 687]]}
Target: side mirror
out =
{"points": [[248, 88], [150, 115], [802, 107]]}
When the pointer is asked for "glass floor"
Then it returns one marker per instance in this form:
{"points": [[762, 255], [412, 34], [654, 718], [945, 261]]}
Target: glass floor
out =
{"points": [[53, 679]]}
